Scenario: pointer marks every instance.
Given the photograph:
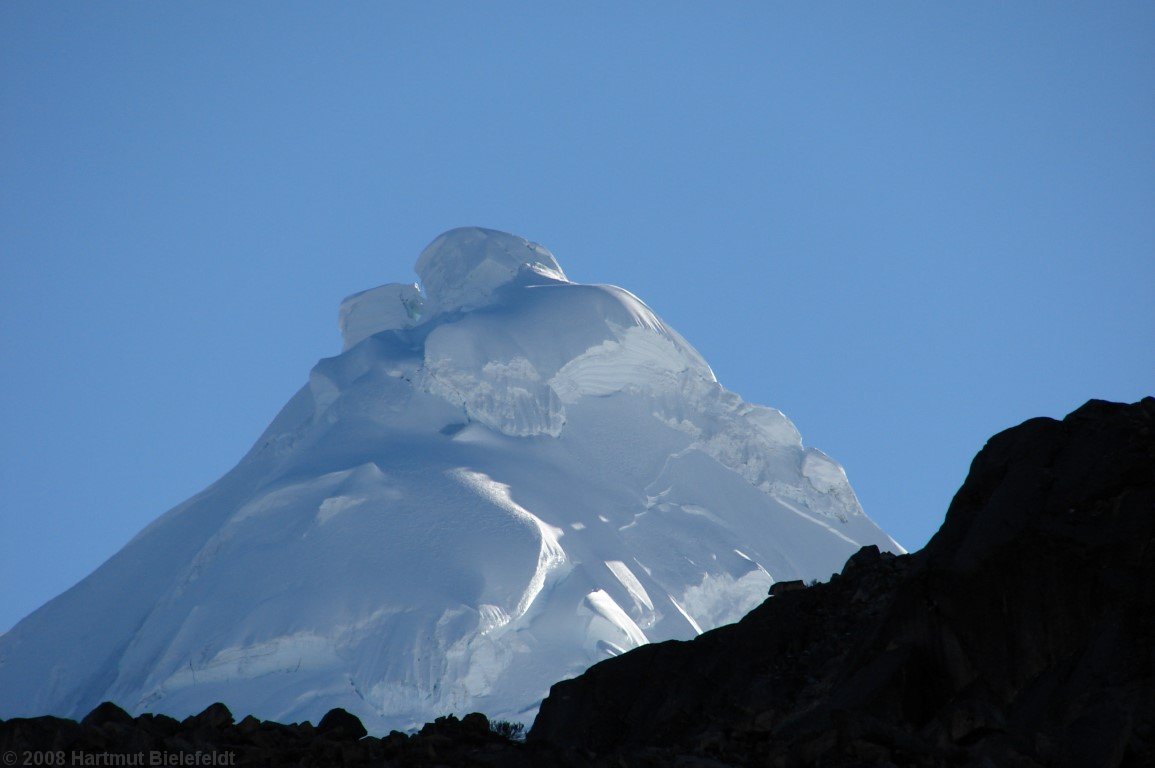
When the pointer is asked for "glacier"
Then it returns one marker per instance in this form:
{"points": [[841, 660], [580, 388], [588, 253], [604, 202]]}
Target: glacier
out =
{"points": [[503, 478]]}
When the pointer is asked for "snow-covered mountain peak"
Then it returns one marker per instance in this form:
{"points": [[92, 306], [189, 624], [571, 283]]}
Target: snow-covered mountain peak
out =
{"points": [[504, 336], [461, 270], [502, 478]]}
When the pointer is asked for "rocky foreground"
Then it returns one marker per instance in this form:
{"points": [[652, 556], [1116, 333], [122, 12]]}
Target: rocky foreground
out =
{"points": [[1022, 635], [110, 736]]}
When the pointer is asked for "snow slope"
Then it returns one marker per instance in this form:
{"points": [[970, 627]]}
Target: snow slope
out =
{"points": [[502, 479]]}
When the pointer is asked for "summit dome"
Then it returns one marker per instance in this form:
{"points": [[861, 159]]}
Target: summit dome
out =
{"points": [[463, 267]]}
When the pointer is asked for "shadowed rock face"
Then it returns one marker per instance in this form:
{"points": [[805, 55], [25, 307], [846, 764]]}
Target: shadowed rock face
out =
{"points": [[1024, 632]]}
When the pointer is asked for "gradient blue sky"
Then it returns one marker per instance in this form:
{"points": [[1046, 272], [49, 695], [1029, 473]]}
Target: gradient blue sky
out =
{"points": [[906, 225]]}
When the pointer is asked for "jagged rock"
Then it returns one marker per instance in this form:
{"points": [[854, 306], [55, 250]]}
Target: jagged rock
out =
{"points": [[340, 725], [215, 716], [248, 725], [106, 713], [782, 587], [158, 725]]}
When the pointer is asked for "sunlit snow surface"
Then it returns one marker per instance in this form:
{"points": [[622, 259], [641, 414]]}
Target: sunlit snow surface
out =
{"points": [[501, 480]]}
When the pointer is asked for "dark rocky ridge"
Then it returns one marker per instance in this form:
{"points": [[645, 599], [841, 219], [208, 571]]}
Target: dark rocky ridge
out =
{"points": [[1022, 635], [110, 736]]}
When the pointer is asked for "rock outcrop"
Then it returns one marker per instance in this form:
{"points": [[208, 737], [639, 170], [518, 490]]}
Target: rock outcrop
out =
{"points": [[1022, 635]]}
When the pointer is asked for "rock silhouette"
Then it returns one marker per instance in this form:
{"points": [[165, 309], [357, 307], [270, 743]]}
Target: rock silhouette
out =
{"points": [[1023, 633]]}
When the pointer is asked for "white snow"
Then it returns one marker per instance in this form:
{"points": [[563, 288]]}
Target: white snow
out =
{"points": [[630, 582], [636, 359], [384, 308], [463, 268], [550, 556], [611, 628], [503, 478]]}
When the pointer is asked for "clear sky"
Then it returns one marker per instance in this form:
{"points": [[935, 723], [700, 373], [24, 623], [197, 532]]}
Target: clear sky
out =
{"points": [[906, 225]]}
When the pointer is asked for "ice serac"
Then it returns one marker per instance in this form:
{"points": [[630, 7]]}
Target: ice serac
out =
{"points": [[503, 478], [463, 268], [384, 308]]}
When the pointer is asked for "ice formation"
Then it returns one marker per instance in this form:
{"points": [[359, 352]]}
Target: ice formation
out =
{"points": [[498, 482]]}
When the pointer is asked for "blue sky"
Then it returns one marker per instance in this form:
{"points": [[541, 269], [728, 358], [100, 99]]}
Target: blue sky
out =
{"points": [[906, 225]]}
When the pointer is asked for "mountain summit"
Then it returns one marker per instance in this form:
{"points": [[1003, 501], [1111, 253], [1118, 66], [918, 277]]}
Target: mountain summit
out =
{"points": [[503, 478]]}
